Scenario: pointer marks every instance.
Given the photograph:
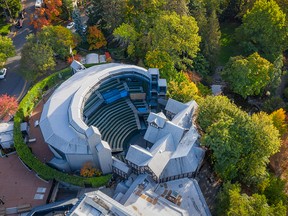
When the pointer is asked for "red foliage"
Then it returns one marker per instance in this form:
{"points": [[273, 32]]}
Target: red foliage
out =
{"points": [[45, 15], [8, 107], [77, 57], [108, 57]]}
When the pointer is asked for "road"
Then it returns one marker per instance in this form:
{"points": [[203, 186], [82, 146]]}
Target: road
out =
{"points": [[14, 84]]}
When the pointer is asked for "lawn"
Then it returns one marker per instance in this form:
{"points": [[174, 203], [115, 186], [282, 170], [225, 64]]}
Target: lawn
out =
{"points": [[4, 27], [229, 46]]}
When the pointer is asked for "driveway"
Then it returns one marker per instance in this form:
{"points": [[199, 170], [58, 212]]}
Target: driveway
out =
{"points": [[14, 84]]}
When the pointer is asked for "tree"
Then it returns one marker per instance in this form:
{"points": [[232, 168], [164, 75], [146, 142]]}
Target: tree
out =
{"points": [[95, 38], [162, 61], [235, 139], [36, 58], [66, 8], [59, 38], [182, 89], [89, 171], [232, 202], [44, 16], [178, 36], [248, 76], [264, 23], [7, 49], [279, 120], [8, 107], [11, 8]]}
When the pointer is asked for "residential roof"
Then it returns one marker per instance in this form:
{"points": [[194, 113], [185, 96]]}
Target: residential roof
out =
{"points": [[92, 58]]}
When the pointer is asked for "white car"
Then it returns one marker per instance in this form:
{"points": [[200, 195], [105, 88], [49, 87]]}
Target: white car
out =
{"points": [[38, 3], [2, 73], [70, 25]]}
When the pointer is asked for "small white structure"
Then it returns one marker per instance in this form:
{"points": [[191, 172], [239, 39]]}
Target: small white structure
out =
{"points": [[76, 66], [6, 133], [92, 58]]}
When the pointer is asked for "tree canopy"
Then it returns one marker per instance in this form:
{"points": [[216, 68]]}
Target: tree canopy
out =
{"points": [[8, 107], [264, 30], [248, 76], [7, 49], [233, 202], [11, 7], [235, 139], [59, 38], [36, 58]]}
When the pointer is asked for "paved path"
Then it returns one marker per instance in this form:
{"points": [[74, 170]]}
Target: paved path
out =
{"points": [[14, 84]]}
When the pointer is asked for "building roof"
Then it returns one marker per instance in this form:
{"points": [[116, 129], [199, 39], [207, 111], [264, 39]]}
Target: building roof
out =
{"points": [[97, 203], [184, 118], [120, 165], [61, 122], [138, 155], [75, 65], [6, 134], [92, 58], [178, 197], [158, 119], [162, 83], [153, 134], [174, 106]]}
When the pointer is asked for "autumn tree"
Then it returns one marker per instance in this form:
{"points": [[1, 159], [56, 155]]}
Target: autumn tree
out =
{"points": [[264, 30], [8, 107], [279, 120], [89, 171], [248, 76], [44, 16], [182, 89], [7, 49], [95, 38], [36, 58]]}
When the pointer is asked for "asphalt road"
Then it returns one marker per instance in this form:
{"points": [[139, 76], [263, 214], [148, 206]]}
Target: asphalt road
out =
{"points": [[14, 84]]}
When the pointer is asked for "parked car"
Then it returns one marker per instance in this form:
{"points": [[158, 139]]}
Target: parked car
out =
{"points": [[38, 3], [84, 29], [3, 73], [70, 25]]}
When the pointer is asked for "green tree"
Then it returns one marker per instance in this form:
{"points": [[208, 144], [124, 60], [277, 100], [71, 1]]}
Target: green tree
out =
{"points": [[178, 36], [264, 30], [11, 8], [163, 61], [248, 76], [7, 49], [36, 58], [232, 202], [59, 38], [235, 139]]}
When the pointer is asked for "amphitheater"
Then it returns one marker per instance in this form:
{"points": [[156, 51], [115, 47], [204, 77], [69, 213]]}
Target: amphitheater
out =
{"points": [[95, 112]]}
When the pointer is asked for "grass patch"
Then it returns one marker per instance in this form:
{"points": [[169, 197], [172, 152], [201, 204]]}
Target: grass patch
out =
{"points": [[4, 27], [229, 46]]}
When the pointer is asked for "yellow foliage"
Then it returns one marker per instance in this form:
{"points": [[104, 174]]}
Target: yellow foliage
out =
{"points": [[279, 120], [95, 38], [89, 171]]}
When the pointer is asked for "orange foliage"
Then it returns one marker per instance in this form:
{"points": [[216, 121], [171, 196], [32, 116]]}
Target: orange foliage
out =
{"points": [[8, 107], [279, 120], [88, 170], [95, 38], [45, 15], [77, 57]]}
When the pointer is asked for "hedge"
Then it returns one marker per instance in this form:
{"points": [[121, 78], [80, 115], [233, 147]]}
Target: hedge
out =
{"points": [[26, 107]]}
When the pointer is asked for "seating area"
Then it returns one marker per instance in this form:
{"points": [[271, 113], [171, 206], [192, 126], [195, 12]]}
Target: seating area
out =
{"points": [[115, 122], [91, 105], [135, 87], [140, 105]]}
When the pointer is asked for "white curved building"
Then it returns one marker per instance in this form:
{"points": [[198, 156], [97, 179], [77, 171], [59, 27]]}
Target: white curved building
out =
{"points": [[68, 120]]}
